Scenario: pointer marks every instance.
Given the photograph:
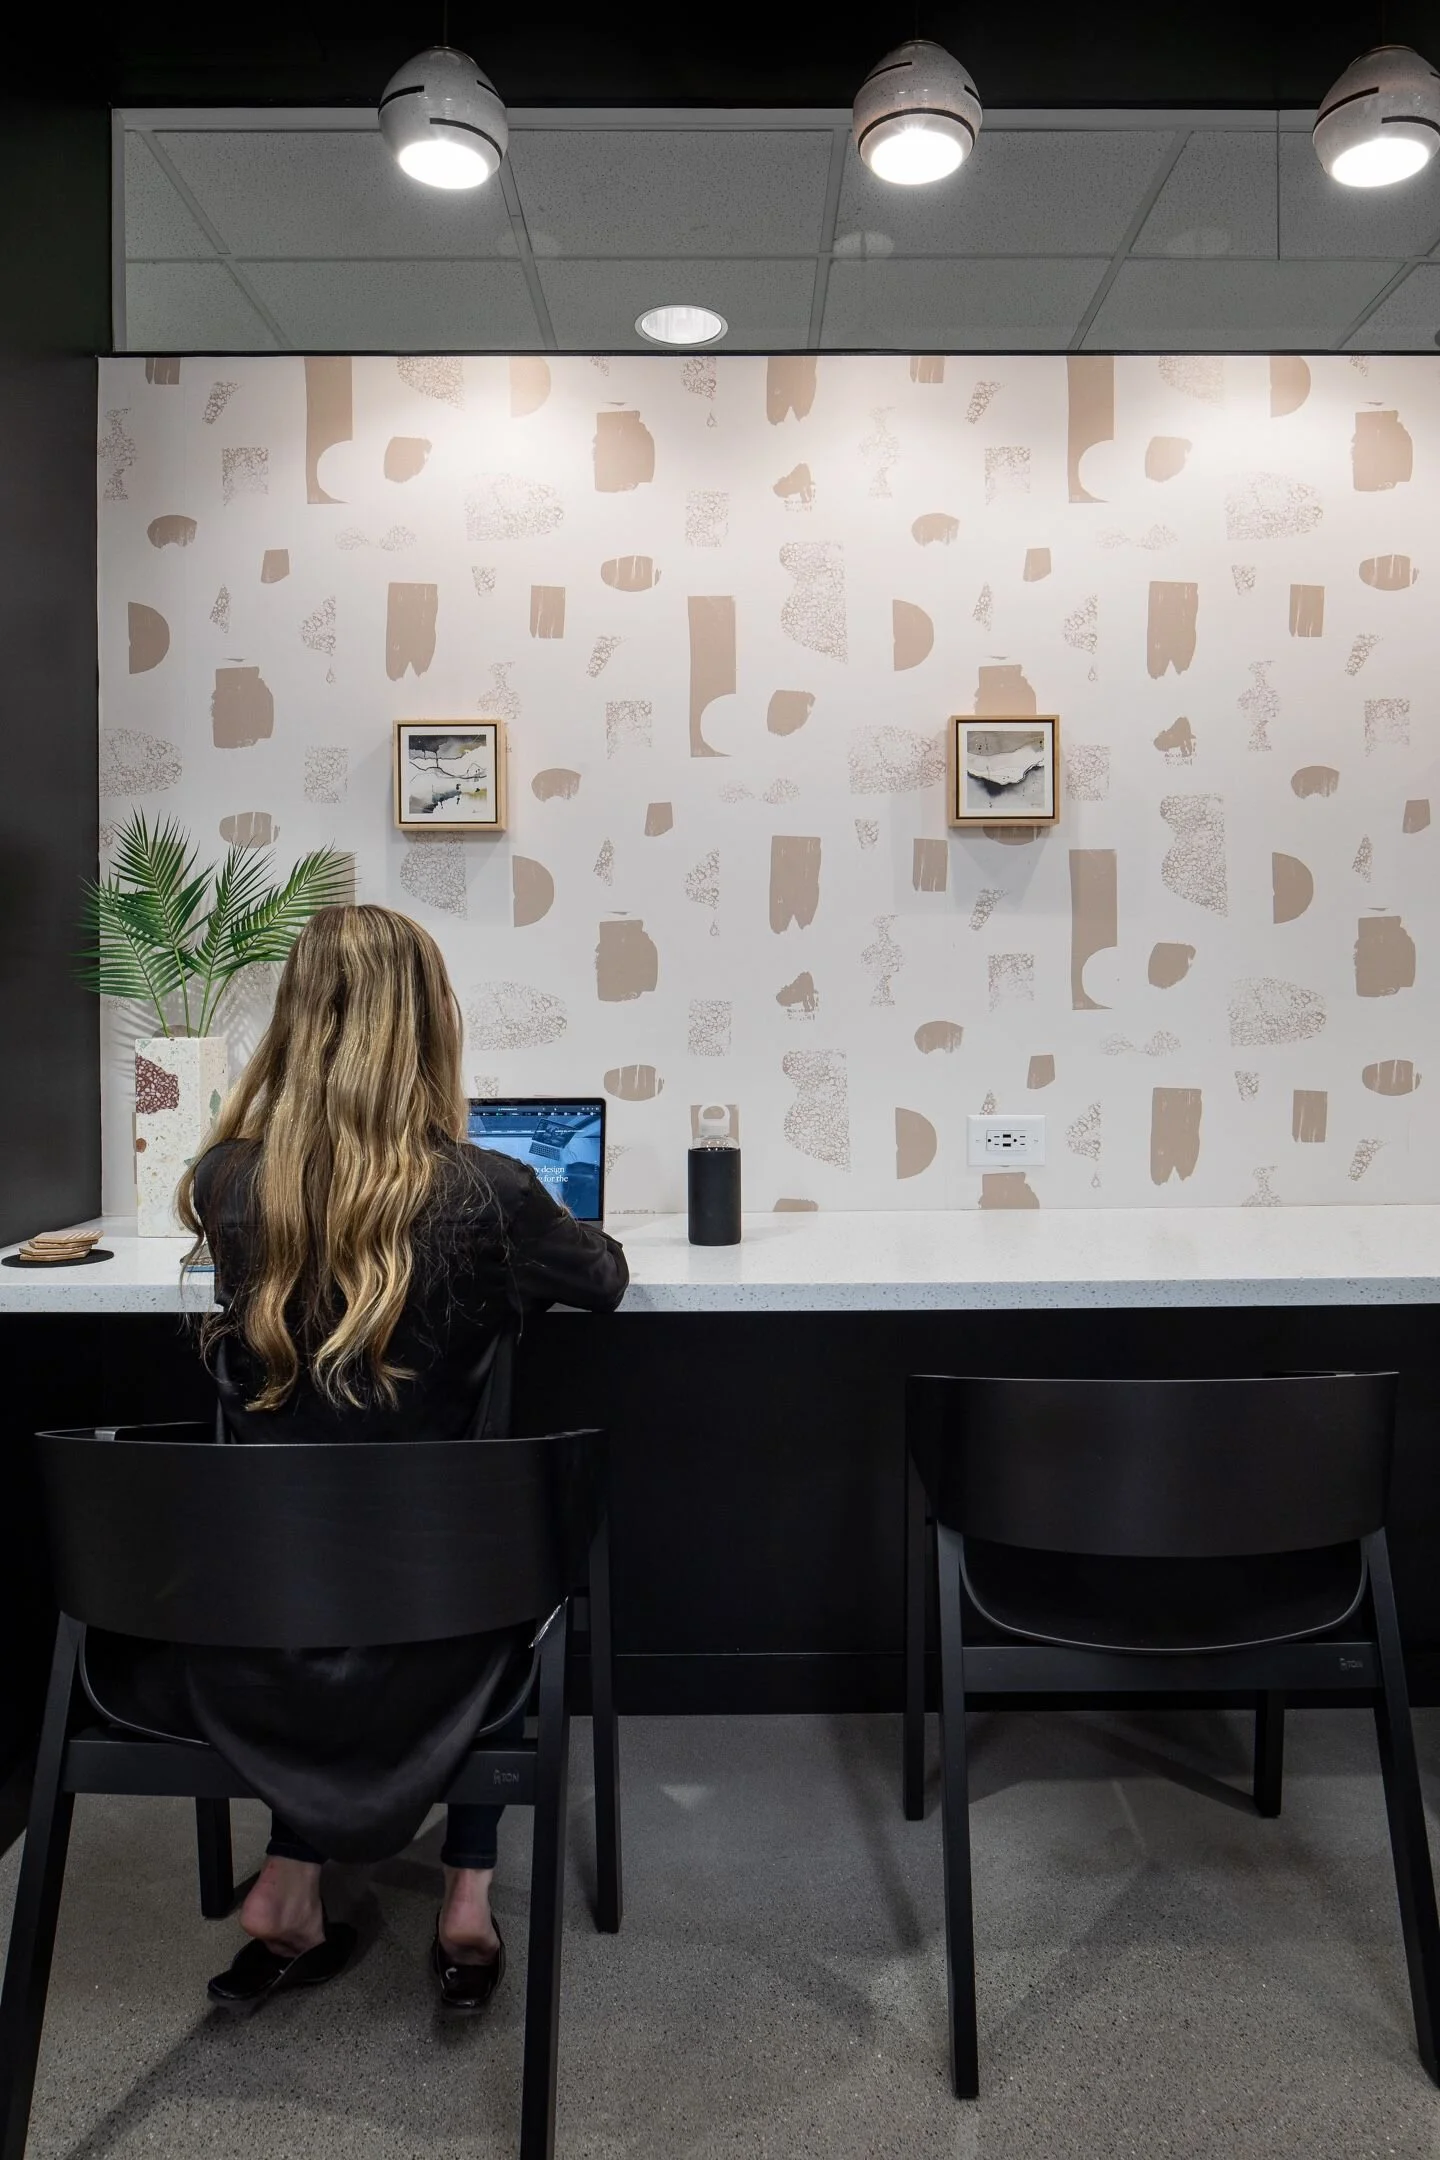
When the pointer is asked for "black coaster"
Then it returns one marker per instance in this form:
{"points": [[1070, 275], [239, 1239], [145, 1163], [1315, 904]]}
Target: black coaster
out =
{"points": [[96, 1252]]}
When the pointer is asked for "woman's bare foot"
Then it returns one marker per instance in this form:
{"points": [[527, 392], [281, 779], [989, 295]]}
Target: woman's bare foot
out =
{"points": [[467, 1931], [283, 1909]]}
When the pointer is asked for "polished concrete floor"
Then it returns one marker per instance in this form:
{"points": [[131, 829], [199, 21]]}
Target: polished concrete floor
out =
{"points": [[1162, 1974]]}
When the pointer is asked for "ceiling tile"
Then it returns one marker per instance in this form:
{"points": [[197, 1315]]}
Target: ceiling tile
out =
{"points": [[329, 193], [982, 305], [1233, 306], [1023, 192], [1409, 321], [671, 192], [1319, 217], [399, 307], [190, 307], [593, 305], [157, 223], [1219, 200]]}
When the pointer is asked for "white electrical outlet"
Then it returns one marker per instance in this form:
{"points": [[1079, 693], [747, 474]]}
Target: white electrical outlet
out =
{"points": [[994, 1142]]}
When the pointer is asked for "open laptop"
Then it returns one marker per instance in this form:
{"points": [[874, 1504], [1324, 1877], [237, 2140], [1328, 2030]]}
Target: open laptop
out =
{"points": [[562, 1138]]}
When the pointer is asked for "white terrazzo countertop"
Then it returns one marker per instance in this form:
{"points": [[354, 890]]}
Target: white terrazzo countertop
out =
{"points": [[923, 1262]]}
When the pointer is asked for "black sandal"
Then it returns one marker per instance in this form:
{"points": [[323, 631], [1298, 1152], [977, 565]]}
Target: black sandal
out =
{"points": [[467, 1987], [257, 1972]]}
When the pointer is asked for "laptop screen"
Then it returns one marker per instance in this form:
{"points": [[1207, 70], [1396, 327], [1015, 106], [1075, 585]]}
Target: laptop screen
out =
{"points": [[563, 1142]]}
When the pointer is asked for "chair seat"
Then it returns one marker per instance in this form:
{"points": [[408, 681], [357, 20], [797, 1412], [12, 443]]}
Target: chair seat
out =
{"points": [[1107, 1603]]}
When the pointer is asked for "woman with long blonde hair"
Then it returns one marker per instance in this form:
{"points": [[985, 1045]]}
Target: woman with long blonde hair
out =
{"points": [[370, 1266]]}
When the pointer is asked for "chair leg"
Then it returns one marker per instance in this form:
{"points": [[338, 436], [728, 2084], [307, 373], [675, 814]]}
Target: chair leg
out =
{"points": [[955, 1826], [605, 1733], [1269, 1752], [216, 1858], [547, 1898], [912, 1738], [37, 1905], [1405, 1806]]}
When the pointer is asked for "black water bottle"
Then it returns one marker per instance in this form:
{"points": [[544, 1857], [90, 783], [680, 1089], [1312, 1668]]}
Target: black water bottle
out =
{"points": [[715, 1180]]}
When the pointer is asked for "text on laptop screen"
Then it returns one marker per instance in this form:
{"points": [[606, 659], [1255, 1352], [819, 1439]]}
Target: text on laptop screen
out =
{"points": [[561, 1141]]}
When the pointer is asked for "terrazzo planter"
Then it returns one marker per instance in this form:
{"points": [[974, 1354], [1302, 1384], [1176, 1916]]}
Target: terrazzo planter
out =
{"points": [[179, 1085]]}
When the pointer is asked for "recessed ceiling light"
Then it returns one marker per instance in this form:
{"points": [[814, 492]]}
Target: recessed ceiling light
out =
{"points": [[917, 115], [443, 120], [681, 324], [1381, 121]]}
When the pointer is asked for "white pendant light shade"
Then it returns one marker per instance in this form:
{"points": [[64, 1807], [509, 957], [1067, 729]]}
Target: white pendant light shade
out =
{"points": [[1381, 122], [917, 115], [443, 120]]}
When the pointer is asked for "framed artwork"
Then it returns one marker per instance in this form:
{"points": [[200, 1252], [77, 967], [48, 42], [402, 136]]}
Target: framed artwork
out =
{"points": [[450, 776], [1004, 771]]}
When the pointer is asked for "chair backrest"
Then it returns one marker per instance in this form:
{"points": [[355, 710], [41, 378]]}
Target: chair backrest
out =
{"points": [[1163, 1469], [281, 1547]]}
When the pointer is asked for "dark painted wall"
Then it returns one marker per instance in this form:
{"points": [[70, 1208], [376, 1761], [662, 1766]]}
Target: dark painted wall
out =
{"points": [[55, 244]]}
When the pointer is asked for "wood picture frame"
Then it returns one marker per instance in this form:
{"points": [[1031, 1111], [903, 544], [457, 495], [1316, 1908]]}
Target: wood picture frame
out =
{"points": [[449, 776], [991, 756]]}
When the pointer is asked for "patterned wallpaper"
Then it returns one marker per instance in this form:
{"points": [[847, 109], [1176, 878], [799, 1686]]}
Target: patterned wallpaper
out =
{"points": [[725, 606]]}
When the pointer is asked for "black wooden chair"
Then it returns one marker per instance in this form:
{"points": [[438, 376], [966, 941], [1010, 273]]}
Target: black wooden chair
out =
{"points": [[1215, 1537], [155, 1536]]}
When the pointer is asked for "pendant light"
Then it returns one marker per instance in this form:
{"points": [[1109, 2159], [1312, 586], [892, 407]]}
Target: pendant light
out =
{"points": [[917, 115], [443, 120], [1381, 121]]}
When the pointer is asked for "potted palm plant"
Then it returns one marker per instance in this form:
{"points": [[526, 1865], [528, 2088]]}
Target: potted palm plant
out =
{"points": [[172, 938]]}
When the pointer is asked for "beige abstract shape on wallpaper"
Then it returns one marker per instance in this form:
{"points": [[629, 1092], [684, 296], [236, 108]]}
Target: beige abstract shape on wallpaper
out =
{"points": [[796, 489], [505, 506], [791, 1206], [242, 708], [627, 962], [630, 573], [410, 619], [274, 566], [1177, 742], [532, 891], [1292, 888], [794, 881], [789, 386], [514, 1016], [433, 870], [172, 530], [933, 526], [1094, 917], [788, 710], [817, 1123], [329, 415], [1002, 692], [1382, 454], [1171, 629], [912, 634], [1315, 780], [884, 956], [149, 637], [916, 1142], [927, 367], [1175, 1119], [1090, 389], [707, 1029], [405, 456], [1388, 573], [1266, 1011], [1041, 1072], [1289, 384], [555, 780], [929, 866], [1387, 721], [892, 760], [1270, 506], [547, 611], [1037, 565], [1417, 815], [1010, 1188], [1165, 456], [1193, 867], [164, 369], [1199, 375], [1169, 964], [814, 613], [932, 1035], [633, 1083], [133, 763], [1307, 611], [659, 818], [1391, 1076], [711, 620], [1309, 1115], [529, 384], [623, 451], [249, 828], [800, 996], [434, 375], [1384, 956]]}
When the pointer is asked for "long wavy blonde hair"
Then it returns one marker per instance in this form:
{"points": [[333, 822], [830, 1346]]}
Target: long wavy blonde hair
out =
{"points": [[351, 1094]]}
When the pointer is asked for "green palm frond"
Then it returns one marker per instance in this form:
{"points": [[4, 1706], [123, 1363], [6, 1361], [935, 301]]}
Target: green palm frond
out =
{"points": [[268, 930], [120, 958]]}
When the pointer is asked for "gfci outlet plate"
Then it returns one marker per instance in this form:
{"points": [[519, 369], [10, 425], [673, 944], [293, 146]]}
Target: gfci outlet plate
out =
{"points": [[994, 1142]]}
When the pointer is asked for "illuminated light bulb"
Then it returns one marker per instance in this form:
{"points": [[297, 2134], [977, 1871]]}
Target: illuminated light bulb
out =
{"points": [[443, 120], [917, 115], [1381, 121]]}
